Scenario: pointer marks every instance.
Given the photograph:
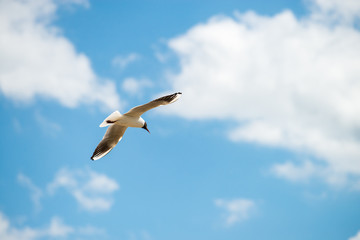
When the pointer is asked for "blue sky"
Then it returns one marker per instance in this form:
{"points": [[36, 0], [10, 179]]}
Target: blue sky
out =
{"points": [[263, 144]]}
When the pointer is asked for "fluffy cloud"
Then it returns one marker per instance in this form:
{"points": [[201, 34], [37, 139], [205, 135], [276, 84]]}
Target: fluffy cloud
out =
{"points": [[123, 61], [356, 237], [36, 60], [237, 210], [35, 192], [306, 170], [295, 173], [142, 235], [93, 191], [282, 81], [335, 10], [56, 229], [135, 86]]}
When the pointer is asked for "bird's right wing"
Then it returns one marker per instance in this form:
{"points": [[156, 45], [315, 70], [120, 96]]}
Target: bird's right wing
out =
{"points": [[139, 110], [113, 135]]}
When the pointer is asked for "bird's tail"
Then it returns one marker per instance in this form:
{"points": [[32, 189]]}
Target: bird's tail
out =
{"points": [[112, 118]]}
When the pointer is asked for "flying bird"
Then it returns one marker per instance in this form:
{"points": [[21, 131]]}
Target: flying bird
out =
{"points": [[118, 123]]}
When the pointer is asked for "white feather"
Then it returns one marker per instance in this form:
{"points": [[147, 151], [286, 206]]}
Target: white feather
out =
{"points": [[112, 117]]}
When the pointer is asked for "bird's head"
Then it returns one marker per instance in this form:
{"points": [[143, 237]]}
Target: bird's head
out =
{"points": [[145, 127]]}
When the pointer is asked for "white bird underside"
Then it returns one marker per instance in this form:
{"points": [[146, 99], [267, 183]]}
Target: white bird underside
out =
{"points": [[119, 123], [112, 117]]}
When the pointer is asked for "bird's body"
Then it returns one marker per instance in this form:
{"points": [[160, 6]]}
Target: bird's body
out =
{"points": [[118, 123], [124, 120], [129, 121]]}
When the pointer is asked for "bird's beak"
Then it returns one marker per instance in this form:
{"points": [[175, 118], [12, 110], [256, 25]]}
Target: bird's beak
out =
{"points": [[145, 127], [147, 130]]}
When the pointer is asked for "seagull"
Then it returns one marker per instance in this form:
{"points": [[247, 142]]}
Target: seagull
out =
{"points": [[120, 122]]}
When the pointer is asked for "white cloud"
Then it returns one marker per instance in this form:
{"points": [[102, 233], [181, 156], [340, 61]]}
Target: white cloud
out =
{"points": [[282, 81], [84, 3], [135, 86], [35, 192], [123, 61], [91, 231], [335, 10], [307, 170], [9, 233], [237, 210], [36, 60], [93, 191], [356, 237], [295, 173], [142, 235], [56, 229]]}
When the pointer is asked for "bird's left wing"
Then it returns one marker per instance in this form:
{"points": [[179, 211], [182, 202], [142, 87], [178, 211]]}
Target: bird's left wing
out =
{"points": [[113, 135], [139, 110]]}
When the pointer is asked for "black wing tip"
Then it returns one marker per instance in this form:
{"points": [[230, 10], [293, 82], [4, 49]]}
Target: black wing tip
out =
{"points": [[169, 98], [175, 96]]}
